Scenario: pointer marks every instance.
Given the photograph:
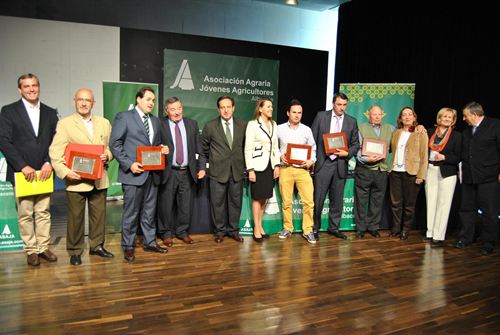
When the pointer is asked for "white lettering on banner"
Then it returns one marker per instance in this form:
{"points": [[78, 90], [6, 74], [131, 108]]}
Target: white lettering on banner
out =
{"points": [[6, 233], [184, 80], [215, 89]]}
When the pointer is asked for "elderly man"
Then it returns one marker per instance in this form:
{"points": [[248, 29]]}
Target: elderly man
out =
{"points": [[480, 177], [371, 175], [83, 127]]}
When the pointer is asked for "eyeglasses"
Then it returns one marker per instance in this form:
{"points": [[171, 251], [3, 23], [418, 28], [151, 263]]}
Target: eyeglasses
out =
{"points": [[80, 100]]}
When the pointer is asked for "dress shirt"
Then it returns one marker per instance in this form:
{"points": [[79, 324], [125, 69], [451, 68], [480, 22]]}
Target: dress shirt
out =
{"points": [[231, 122], [33, 113], [399, 160], [334, 120], [182, 128], [299, 135], [88, 124]]}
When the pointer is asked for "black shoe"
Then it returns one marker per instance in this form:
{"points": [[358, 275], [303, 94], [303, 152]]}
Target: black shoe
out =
{"points": [[258, 239], [404, 236], [360, 234], [101, 252], [338, 234], [437, 243], [395, 234], [427, 239], [266, 236], [75, 260], [316, 235], [460, 244], [374, 233], [485, 251]]}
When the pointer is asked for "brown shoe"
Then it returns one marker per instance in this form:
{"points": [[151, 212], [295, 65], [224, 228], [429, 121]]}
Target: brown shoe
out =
{"points": [[219, 239], [168, 242], [130, 255], [33, 260], [154, 248], [48, 255], [187, 239], [238, 238]]}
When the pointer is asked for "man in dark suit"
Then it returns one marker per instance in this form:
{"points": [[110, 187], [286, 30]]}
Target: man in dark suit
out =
{"points": [[223, 142], [133, 128], [184, 166], [330, 171], [480, 177], [26, 130]]}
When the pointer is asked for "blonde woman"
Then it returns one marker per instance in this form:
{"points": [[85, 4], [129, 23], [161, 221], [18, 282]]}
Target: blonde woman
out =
{"points": [[444, 156], [408, 171], [262, 158]]}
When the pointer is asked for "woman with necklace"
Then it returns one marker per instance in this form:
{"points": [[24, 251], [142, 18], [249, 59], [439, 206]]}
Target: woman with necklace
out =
{"points": [[262, 158], [444, 156], [408, 171]]}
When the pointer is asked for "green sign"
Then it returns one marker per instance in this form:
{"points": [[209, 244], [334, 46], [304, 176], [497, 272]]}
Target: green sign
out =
{"points": [[119, 97], [10, 239], [199, 78]]}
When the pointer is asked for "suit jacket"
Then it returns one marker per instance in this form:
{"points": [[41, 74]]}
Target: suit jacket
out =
{"points": [[321, 125], [126, 135], [71, 129], [261, 146], [193, 146], [18, 142], [481, 152], [452, 152], [416, 156], [224, 161]]}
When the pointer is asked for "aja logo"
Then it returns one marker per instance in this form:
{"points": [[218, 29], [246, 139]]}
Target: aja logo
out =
{"points": [[6, 233], [184, 80]]}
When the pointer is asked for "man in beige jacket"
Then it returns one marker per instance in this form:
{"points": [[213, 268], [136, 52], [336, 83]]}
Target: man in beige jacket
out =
{"points": [[83, 127]]}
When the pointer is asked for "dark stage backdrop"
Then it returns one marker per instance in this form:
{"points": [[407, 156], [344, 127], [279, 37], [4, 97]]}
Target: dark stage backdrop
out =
{"points": [[302, 72], [449, 50]]}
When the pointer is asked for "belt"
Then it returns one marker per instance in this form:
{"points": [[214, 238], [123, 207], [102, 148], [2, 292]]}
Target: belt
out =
{"points": [[436, 163], [182, 168], [293, 166]]}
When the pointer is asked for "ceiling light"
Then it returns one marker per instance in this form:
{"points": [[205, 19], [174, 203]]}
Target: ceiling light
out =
{"points": [[292, 2]]}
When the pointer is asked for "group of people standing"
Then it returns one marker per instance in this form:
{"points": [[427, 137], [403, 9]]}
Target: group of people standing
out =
{"points": [[160, 202]]}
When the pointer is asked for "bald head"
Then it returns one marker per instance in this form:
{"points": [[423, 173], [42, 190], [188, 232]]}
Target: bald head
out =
{"points": [[84, 102]]}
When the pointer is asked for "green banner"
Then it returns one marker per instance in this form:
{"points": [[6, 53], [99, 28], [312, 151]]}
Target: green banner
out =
{"points": [[10, 239], [391, 98], [199, 78], [119, 97]]}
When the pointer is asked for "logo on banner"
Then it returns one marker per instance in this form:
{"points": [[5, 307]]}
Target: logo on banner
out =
{"points": [[6, 233], [184, 80]]}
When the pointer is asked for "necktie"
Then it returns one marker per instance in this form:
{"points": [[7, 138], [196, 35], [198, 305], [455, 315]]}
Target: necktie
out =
{"points": [[336, 129], [179, 148], [146, 123], [474, 130], [229, 137]]}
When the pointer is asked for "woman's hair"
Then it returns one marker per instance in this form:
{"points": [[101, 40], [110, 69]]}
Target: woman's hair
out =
{"points": [[445, 110], [259, 105], [400, 117]]}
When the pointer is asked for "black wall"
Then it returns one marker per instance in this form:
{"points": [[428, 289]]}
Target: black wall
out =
{"points": [[449, 49]]}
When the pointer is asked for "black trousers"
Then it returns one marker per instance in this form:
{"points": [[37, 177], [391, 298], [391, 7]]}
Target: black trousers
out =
{"points": [[403, 192], [370, 188]]}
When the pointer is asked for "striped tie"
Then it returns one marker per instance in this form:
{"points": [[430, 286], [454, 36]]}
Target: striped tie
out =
{"points": [[146, 123]]}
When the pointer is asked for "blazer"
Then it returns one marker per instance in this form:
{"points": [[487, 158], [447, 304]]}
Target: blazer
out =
{"points": [[71, 129], [18, 142], [481, 152], [127, 134], [224, 161], [416, 154], [452, 152], [320, 126], [196, 161], [261, 146]]}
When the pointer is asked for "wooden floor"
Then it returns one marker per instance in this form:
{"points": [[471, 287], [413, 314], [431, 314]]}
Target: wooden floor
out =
{"points": [[369, 286]]}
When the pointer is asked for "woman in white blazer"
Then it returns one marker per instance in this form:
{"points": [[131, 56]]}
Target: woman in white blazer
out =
{"points": [[262, 158]]}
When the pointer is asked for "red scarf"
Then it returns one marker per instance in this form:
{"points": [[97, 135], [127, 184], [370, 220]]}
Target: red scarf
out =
{"points": [[440, 146]]}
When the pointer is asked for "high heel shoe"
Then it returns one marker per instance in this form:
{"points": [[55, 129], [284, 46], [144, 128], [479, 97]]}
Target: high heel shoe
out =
{"points": [[257, 239], [266, 236]]}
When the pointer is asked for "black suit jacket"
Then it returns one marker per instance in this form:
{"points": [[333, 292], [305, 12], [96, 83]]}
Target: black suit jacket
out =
{"points": [[18, 142], [224, 161], [452, 152], [481, 152], [321, 125], [193, 146]]}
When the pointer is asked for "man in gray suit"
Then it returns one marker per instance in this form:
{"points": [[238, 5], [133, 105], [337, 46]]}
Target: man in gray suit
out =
{"points": [[330, 171], [133, 128], [222, 143], [181, 174]]}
